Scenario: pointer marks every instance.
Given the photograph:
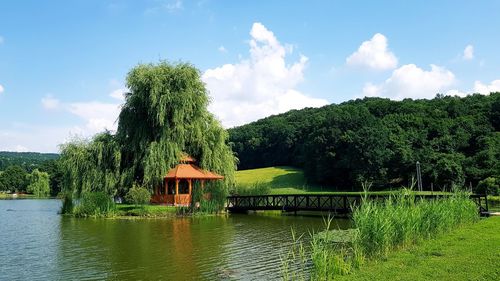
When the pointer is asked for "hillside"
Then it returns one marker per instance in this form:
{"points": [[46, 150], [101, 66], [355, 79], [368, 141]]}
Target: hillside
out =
{"points": [[27, 160], [279, 180], [456, 140]]}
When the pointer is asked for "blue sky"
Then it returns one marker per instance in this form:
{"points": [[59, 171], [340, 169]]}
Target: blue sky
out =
{"points": [[63, 63]]}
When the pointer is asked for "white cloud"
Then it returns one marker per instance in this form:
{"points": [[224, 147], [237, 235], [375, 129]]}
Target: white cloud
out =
{"points": [[37, 137], [484, 89], [259, 86], [222, 49], [410, 81], [1, 40], [371, 90], [457, 93], [50, 103], [119, 94], [479, 87], [468, 52], [20, 148], [1, 89], [98, 116], [373, 54]]}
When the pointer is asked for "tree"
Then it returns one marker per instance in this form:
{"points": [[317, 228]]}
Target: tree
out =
{"points": [[38, 183], [91, 165], [13, 179], [164, 115], [53, 168], [457, 140]]}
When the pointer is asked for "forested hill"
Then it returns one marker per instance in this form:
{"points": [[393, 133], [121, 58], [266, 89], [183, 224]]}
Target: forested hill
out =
{"points": [[456, 140], [26, 160]]}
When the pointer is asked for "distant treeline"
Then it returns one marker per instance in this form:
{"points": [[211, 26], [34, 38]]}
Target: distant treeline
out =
{"points": [[30, 172], [27, 160], [456, 140]]}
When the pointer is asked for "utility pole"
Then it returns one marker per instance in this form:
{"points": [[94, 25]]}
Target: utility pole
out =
{"points": [[419, 177]]}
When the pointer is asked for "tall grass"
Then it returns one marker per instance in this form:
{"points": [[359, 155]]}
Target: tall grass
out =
{"points": [[380, 227], [404, 219]]}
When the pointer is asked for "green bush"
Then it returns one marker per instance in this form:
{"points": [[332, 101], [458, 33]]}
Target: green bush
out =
{"points": [[138, 195], [490, 186], [94, 204]]}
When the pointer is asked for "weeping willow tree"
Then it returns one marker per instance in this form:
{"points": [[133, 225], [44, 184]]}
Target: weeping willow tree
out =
{"points": [[91, 165], [164, 116]]}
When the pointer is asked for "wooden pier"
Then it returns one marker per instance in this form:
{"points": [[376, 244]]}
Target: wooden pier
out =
{"points": [[335, 203]]}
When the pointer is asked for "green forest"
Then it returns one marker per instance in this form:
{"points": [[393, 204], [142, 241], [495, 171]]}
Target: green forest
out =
{"points": [[376, 140], [30, 172], [26, 160]]}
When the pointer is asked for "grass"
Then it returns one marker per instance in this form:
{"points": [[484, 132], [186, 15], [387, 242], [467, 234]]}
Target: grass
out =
{"points": [[380, 228], [145, 210], [285, 180], [4, 195], [494, 203], [469, 253], [279, 180]]}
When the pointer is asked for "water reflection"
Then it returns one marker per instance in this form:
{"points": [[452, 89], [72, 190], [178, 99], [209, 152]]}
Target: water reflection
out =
{"points": [[235, 247]]}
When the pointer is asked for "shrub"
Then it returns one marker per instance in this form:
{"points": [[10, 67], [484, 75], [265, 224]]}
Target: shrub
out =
{"points": [[490, 186], [138, 195], [94, 204]]}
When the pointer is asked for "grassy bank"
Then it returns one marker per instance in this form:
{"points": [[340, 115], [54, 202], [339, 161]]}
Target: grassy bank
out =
{"points": [[18, 196], [468, 253]]}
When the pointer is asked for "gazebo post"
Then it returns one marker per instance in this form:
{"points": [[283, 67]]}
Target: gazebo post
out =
{"points": [[176, 191], [187, 170]]}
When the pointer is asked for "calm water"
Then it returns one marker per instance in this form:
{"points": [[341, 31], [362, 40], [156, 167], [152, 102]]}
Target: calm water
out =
{"points": [[38, 244]]}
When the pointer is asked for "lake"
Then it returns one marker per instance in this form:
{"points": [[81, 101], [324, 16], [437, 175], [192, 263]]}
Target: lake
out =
{"points": [[36, 243]]}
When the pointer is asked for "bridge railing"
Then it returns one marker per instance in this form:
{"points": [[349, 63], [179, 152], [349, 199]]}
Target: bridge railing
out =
{"points": [[339, 203]]}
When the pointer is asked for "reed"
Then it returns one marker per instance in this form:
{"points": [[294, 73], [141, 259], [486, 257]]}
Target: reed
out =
{"points": [[379, 227], [404, 219]]}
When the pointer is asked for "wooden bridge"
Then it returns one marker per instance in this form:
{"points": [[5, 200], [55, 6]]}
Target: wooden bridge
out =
{"points": [[335, 203]]}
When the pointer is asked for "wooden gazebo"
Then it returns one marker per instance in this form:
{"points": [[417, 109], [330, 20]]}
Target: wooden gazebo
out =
{"points": [[178, 183]]}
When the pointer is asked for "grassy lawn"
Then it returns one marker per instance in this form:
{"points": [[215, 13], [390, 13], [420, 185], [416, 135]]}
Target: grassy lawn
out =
{"points": [[468, 253], [146, 210], [287, 180], [494, 203]]}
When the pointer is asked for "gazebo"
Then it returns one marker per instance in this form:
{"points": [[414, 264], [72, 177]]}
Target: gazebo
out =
{"points": [[178, 183]]}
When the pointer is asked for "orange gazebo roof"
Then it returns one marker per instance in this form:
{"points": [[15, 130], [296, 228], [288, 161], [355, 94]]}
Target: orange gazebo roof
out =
{"points": [[191, 171]]}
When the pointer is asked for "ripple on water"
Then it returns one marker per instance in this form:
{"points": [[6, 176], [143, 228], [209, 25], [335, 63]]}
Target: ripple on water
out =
{"points": [[48, 246]]}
